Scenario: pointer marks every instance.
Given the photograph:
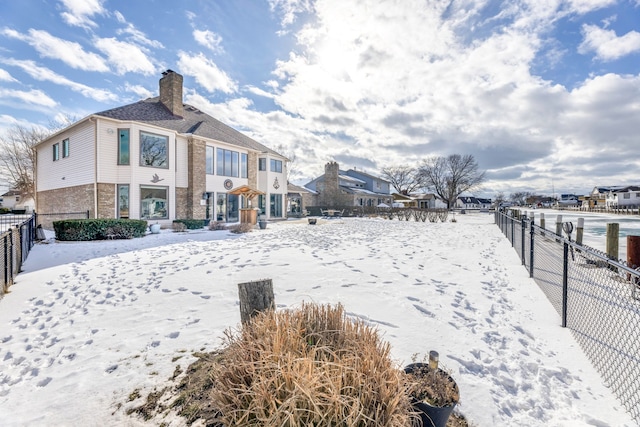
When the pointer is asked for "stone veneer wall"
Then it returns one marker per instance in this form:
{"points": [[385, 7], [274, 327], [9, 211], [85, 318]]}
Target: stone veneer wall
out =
{"points": [[197, 180], [252, 169], [181, 202], [330, 193], [62, 201], [107, 201]]}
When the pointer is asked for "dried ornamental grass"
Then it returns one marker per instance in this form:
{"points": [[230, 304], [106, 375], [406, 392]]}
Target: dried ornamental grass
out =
{"points": [[308, 367]]}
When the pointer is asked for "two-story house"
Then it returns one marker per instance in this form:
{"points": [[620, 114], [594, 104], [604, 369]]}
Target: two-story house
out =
{"points": [[349, 188], [601, 197], [158, 160]]}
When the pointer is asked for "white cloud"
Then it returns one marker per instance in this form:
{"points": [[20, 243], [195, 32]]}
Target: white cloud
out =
{"points": [[260, 92], [606, 44], [45, 74], [288, 9], [126, 57], [71, 53], [5, 76], [139, 37], [79, 12], [32, 97], [208, 39], [586, 6], [206, 73], [141, 91], [413, 79]]}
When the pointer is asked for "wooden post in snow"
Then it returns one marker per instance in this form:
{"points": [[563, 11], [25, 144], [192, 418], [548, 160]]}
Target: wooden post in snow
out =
{"points": [[255, 297], [613, 237], [580, 231]]}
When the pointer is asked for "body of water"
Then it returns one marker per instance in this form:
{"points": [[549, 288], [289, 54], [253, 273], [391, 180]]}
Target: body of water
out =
{"points": [[595, 226]]}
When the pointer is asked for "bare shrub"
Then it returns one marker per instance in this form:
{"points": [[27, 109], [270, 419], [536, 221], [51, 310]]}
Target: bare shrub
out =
{"points": [[215, 225], [241, 228], [179, 227], [306, 367]]}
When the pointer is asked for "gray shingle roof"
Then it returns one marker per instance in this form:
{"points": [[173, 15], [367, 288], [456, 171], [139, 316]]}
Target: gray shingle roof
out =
{"points": [[196, 122]]}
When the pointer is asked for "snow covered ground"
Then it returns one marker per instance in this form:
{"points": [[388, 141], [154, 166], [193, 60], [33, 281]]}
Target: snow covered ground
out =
{"points": [[88, 323]]}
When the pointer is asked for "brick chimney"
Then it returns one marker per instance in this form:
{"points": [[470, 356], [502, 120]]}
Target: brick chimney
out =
{"points": [[171, 92]]}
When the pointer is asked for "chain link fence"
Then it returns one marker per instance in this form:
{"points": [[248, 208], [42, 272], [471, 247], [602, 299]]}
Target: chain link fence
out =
{"points": [[597, 298]]}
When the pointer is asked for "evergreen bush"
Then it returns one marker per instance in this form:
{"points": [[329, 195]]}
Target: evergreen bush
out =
{"points": [[99, 229]]}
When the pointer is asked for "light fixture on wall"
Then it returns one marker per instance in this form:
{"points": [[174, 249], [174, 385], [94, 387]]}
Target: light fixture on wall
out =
{"points": [[205, 196]]}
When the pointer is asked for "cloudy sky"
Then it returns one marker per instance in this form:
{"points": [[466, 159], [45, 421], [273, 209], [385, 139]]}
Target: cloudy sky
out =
{"points": [[544, 93]]}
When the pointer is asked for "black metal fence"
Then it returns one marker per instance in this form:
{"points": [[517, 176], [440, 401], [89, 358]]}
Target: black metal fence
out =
{"points": [[597, 298], [17, 236]]}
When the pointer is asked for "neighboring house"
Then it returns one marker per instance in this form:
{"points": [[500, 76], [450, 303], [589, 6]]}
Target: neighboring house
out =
{"points": [[157, 160], [603, 196], [403, 200], [470, 202], [14, 200], [299, 198], [420, 200], [349, 188], [569, 200], [627, 197]]}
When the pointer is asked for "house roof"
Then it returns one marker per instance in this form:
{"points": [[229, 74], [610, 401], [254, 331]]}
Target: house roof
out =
{"points": [[358, 172], [194, 121], [11, 193], [293, 189]]}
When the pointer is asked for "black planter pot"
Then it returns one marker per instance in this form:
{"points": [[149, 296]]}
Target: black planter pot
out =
{"points": [[430, 416], [262, 224]]}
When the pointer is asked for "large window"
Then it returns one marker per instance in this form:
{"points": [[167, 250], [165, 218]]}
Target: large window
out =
{"points": [[209, 160], [276, 165], [153, 202], [123, 201], [243, 165], [154, 150], [56, 152], [228, 163], [123, 146], [65, 147], [276, 205]]}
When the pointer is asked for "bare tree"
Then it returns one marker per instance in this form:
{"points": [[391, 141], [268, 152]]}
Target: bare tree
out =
{"points": [[499, 198], [520, 198], [292, 168], [451, 176], [18, 156], [404, 179]]}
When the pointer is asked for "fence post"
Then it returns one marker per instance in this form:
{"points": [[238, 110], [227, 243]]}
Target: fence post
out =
{"points": [[5, 282], [613, 235], [558, 226], [565, 283], [255, 297], [523, 223], [580, 231], [513, 230], [531, 249]]}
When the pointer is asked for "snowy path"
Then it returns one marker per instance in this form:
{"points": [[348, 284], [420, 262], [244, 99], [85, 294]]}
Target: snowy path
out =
{"points": [[88, 323]]}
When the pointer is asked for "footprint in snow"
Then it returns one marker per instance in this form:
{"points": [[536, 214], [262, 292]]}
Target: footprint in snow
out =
{"points": [[44, 382]]}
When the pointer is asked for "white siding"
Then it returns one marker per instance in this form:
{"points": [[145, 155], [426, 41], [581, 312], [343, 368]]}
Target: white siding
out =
{"points": [[182, 162], [133, 174], [77, 169]]}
